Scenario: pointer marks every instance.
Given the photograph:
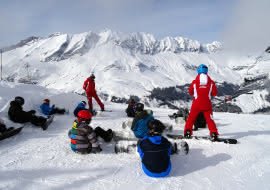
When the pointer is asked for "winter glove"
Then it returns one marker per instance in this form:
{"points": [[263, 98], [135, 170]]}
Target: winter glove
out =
{"points": [[53, 106], [96, 150]]}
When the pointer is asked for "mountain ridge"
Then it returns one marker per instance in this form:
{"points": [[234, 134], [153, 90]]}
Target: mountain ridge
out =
{"points": [[124, 64]]}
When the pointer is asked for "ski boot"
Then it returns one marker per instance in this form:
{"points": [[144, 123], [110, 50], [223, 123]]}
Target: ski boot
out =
{"points": [[109, 135], [213, 137], [183, 148], [187, 135], [174, 149]]}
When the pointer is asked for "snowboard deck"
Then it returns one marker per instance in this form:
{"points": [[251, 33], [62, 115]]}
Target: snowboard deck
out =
{"points": [[10, 133], [130, 146], [123, 138], [224, 140], [47, 123], [99, 112], [125, 146]]}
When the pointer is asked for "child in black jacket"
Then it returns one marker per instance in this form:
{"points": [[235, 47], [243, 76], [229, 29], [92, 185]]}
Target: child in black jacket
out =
{"points": [[155, 151]]}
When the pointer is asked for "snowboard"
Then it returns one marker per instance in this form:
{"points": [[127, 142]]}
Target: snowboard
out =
{"points": [[125, 146], [47, 123], [224, 140], [10, 133], [130, 146], [107, 111], [99, 112], [126, 135]]}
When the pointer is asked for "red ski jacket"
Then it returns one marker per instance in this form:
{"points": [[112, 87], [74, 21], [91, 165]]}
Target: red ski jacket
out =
{"points": [[89, 87], [202, 88]]}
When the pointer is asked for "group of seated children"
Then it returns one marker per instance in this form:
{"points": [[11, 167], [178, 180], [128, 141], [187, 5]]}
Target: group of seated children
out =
{"points": [[18, 115], [153, 148]]}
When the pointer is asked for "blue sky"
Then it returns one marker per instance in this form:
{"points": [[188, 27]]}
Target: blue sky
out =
{"points": [[203, 20]]}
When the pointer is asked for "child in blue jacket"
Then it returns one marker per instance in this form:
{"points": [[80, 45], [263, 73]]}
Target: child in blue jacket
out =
{"points": [[47, 110], [80, 107], [139, 123], [155, 151]]}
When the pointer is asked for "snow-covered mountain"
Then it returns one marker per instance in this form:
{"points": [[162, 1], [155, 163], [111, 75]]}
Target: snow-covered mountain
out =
{"points": [[126, 64]]}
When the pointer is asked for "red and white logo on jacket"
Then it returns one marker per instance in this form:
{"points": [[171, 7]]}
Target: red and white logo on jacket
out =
{"points": [[202, 89]]}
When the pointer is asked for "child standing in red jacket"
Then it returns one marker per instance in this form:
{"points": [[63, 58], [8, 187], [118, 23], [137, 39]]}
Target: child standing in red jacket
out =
{"points": [[202, 89]]}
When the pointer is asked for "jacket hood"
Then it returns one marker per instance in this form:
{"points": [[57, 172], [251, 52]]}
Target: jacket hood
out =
{"points": [[81, 105], [202, 78], [142, 115], [155, 139]]}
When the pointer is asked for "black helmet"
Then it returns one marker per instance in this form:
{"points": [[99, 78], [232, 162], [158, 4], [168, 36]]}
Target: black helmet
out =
{"points": [[92, 76], [155, 127], [132, 101], [139, 107], [19, 100]]}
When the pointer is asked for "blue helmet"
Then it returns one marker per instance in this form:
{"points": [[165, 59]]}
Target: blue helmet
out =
{"points": [[202, 69]]}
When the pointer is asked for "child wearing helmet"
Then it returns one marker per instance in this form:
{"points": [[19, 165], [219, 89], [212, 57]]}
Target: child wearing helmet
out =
{"points": [[155, 151], [202, 89], [131, 108], [18, 115], [139, 123], [84, 137], [47, 110], [79, 107]]}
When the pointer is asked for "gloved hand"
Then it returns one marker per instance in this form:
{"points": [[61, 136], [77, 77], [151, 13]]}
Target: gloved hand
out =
{"points": [[32, 111], [96, 150], [53, 106]]}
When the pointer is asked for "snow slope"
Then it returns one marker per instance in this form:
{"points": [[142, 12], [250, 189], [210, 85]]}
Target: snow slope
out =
{"points": [[37, 159]]}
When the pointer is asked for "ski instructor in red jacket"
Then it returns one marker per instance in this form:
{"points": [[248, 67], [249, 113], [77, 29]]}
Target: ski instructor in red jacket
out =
{"points": [[202, 89], [89, 87]]}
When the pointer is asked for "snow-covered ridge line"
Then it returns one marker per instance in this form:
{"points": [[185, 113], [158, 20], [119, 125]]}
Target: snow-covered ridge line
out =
{"points": [[129, 64], [136, 42]]}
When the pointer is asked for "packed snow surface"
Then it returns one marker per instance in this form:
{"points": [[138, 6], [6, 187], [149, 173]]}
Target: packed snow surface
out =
{"points": [[36, 159]]}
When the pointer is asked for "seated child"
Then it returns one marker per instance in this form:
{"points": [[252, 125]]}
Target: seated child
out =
{"points": [[47, 110], [18, 115], [155, 151], [139, 123], [84, 137], [131, 108], [80, 106]]}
